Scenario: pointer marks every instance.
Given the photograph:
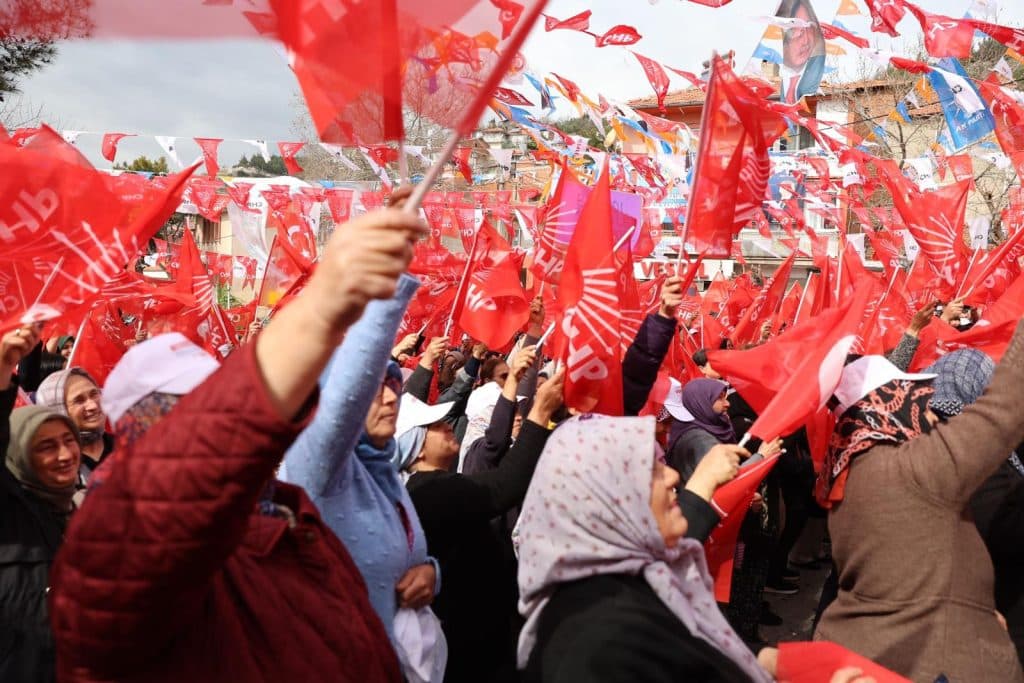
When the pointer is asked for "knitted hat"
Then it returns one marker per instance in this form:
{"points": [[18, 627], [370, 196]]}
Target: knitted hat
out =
{"points": [[962, 377]]}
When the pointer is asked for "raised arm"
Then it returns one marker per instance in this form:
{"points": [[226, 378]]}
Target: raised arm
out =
{"points": [[507, 485], [347, 388], [140, 554], [647, 352], [15, 346], [485, 453], [953, 460]]}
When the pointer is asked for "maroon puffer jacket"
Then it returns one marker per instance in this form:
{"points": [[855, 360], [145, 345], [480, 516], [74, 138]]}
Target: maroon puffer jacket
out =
{"points": [[169, 574]]}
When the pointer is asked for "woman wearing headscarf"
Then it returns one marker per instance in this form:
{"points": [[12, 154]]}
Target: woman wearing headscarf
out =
{"points": [[705, 403], [476, 604], [961, 377], [344, 461], [37, 484], [915, 579], [73, 392], [611, 589]]}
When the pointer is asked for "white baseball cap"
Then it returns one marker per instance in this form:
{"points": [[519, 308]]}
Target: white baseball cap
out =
{"points": [[415, 413], [168, 363], [866, 374], [674, 401]]}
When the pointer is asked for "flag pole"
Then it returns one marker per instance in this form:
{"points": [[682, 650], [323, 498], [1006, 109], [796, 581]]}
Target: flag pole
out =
{"points": [[970, 266], [462, 283], [403, 164], [78, 338], [803, 297], [511, 49]]}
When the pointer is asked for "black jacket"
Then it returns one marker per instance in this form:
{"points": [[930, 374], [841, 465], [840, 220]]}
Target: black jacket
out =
{"points": [[615, 629], [476, 604], [30, 534]]}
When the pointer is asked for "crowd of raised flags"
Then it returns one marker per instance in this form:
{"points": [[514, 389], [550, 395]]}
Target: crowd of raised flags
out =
{"points": [[558, 470]]}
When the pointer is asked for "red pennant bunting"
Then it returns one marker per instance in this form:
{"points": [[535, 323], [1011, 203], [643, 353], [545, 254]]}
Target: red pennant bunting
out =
{"points": [[339, 203], [578, 22], [657, 77], [462, 156], [239, 194], [109, 146], [289, 150], [209, 147]]}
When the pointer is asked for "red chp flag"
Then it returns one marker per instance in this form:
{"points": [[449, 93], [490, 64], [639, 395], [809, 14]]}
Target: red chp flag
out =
{"points": [[209, 147], [64, 230], [589, 296], [732, 169], [493, 305], [764, 306]]}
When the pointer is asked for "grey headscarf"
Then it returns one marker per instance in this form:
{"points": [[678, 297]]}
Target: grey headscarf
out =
{"points": [[25, 422]]}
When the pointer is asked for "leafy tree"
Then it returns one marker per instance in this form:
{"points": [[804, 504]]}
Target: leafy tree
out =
{"points": [[18, 58], [258, 167], [145, 165], [583, 127]]}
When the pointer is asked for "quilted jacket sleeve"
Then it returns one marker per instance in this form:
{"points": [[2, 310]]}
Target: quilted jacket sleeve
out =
{"points": [[318, 458], [140, 554]]}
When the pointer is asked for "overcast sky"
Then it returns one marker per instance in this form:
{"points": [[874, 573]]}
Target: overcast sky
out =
{"points": [[243, 89]]}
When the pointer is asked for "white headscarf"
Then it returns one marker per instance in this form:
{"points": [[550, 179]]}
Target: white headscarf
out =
{"points": [[588, 513]]}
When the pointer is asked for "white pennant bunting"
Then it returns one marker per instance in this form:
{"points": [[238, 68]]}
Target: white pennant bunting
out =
{"points": [[70, 136], [260, 145], [337, 153], [166, 142]]}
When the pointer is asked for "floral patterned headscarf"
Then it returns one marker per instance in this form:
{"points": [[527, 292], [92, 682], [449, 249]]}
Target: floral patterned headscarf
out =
{"points": [[588, 513]]}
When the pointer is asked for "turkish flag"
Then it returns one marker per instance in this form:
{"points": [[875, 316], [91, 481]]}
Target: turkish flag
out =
{"points": [[289, 150], [589, 296], [492, 306], [885, 14], [109, 145], [732, 169], [817, 375]]}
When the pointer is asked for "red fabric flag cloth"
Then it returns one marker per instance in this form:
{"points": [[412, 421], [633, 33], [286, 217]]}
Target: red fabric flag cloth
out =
{"points": [[885, 14], [492, 306], [749, 326], [240, 317], [589, 296], [102, 342], [732, 501], [209, 147], [657, 77], [577, 22], [462, 156], [1012, 38], [239, 193], [935, 218], [339, 203], [732, 169], [818, 661], [203, 193], [289, 150], [943, 36], [618, 35], [109, 146], [1008, 114], [65, 229], [561, 215], [817, 375], [832, 32], [284, 277]]}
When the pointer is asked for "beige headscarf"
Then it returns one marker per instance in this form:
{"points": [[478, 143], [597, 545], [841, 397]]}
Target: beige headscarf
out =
{"points": [[25, 422]]}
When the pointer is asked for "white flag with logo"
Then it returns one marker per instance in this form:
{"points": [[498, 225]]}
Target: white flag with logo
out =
{"points": [[167, 144]]}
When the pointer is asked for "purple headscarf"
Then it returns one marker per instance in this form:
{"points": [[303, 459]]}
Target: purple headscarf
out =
{"points": [[699, 398], [588, 513]]}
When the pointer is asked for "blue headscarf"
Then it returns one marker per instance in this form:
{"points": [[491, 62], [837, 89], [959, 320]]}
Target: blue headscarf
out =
{"points": [[379, 460]]}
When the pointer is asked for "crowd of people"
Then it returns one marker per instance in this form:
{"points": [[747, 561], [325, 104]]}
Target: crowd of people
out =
{"points": [[332, 504]]}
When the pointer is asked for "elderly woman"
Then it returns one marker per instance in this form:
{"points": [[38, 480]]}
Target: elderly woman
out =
{"points": [[611, 589], [37, 484], [344, 461], [998, 506], [73, 392], [915, 579]]}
